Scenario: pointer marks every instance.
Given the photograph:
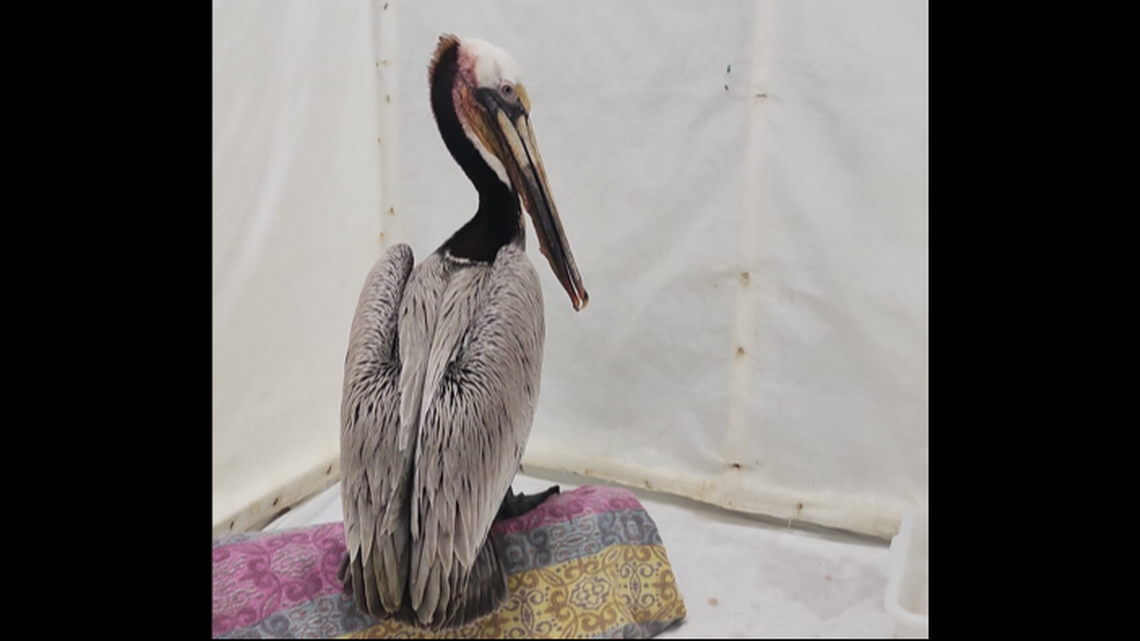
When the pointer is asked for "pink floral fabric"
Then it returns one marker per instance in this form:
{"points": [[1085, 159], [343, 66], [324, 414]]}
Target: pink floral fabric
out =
{"points": [[264, 574]]}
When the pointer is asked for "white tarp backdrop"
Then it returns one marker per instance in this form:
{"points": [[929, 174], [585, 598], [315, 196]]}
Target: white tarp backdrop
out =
{"points": [[744, 185]]}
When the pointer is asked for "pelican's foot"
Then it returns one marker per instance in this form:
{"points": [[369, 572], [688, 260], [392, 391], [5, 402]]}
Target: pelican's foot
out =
{"points": [[519, 504]]}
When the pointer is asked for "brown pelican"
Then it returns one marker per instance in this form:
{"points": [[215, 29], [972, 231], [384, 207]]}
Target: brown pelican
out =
{"points": [[443, 366]]}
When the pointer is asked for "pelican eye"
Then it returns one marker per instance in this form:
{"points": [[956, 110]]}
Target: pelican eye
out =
{"points": [[508, 91]]}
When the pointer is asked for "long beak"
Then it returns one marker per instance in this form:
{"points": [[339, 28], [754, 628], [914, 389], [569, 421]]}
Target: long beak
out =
{"points": [[524, 165]]}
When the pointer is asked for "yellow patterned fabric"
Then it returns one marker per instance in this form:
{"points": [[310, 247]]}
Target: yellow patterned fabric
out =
{"points": [[620, 588]]}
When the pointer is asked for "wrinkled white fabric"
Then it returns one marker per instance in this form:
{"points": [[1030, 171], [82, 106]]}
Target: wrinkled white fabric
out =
{"points": [[296, 224], [744, 186]]}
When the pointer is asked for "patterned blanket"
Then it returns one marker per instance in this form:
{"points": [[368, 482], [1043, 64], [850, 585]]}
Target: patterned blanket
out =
{"points": [[586, 563]]}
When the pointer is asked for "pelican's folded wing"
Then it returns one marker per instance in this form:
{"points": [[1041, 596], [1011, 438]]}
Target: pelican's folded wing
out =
{"points": [[375, 474], [481, 385]]}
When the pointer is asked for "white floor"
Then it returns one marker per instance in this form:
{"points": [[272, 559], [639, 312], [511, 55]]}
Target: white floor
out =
{"points": [[740, 576]]}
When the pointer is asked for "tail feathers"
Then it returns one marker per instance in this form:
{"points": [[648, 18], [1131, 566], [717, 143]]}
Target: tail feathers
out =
{"points": [[370, 578], [486, 590], [369, 583], [464, 596], [342, 571]]}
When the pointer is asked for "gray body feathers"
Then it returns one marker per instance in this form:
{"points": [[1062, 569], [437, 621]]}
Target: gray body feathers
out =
{"points": [[441, 379]]}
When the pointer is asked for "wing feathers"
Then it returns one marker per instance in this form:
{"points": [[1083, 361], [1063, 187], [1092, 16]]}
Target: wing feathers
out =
{"points": [[481, 380], [371, 473], [433, 424]]}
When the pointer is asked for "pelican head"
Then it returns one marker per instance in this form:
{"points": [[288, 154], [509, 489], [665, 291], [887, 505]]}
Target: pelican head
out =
{"points": [[493, 109]]}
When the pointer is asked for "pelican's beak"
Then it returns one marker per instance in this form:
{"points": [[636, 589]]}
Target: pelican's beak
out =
{"points": [[510, 123]]}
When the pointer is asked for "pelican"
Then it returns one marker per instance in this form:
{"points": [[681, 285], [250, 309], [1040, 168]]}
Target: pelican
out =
{"points": [[443, 366]]}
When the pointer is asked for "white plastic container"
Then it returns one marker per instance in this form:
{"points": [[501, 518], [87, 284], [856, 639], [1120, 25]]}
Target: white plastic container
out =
{"points": [[908, 576]]}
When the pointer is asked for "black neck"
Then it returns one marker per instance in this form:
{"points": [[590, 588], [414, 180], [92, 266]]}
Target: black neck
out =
{"points": [[498, 220]]}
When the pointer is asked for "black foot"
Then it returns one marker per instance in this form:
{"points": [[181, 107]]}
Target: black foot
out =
{"points": [[519, 504]]}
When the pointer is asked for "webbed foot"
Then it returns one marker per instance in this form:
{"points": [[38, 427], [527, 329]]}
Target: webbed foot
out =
{"points": [[519, 504]]}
